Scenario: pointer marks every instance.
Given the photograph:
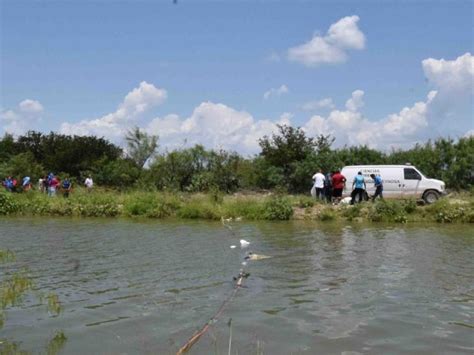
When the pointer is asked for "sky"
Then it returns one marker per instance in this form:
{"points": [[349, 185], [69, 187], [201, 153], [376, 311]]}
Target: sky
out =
{"points": [[386, 74]]}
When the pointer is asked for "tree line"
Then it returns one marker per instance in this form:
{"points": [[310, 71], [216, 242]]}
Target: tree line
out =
{"points": [[287, 161]]}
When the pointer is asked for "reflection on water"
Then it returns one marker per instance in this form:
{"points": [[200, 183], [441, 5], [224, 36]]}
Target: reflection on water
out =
{"points": [[145, 287]]}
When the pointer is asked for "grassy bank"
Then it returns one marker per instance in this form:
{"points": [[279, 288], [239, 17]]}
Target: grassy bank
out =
{"points": [[101, 203]]}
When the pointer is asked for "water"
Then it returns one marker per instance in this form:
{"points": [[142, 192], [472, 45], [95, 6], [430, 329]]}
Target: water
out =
{"points": [[134, 287]]}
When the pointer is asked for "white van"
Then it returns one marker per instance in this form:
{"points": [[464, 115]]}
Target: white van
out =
{"points": [[399, 181]]}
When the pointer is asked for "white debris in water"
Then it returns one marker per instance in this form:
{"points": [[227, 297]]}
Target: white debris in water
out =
{"points": [[244, 243], [232, 246], [244, 263]]}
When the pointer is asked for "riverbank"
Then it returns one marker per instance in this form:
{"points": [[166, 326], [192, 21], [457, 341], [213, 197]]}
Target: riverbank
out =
{"points": [[455, 208]]}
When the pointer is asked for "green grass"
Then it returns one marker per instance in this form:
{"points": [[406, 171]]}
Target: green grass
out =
{"points": [[157, 204]]}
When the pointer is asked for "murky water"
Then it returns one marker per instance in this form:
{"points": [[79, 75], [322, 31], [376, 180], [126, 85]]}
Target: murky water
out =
{"points": [[132, 287]]}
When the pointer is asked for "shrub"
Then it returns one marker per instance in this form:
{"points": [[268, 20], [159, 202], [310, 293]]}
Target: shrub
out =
{"points": [[8, 204], [327, 214], [351, 212], [386, 210], [277, 208], [409, 206], [306, 201]]}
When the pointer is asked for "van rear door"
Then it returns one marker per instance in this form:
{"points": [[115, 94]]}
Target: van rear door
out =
{"points": [[411, 183]]}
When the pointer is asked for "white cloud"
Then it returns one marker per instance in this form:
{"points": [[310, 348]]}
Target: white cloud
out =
{"points": [[215, 126], [356, 102], [283, 89], [450, 75], [352, 128], [115, 124], [325, 103], [22, 119], [452, 111], [30, 106], [332, 48]]}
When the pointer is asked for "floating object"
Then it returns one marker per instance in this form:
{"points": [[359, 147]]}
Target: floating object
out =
{"points": [[238, 219], [244, 263], [232, 247], [253, 256], [244, 243]]}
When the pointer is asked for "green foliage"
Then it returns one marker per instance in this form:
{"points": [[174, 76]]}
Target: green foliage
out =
{"points": [[447, 212], [288, 152], [69, 154], [56, 343], [277, 208], [352, 212], [141, 146], [306, 201], [13, 288], [199, 207], [21, 165], [327, 214], [388, 210], [54, 306], [8, 204], [409, 206], [122, 173]]}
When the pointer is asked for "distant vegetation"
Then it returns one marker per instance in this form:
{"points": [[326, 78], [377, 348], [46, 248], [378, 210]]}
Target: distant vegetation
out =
{"points": [[286, 162]]}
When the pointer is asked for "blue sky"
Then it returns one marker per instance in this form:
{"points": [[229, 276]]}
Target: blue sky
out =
{"points": [[200, 69]]}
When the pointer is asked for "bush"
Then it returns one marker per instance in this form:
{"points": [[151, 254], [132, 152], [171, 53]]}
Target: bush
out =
{"points": [[446, 212], [277, 208], [327, 214], [351, 212], [8, 204], [386, 210], [409, 206]]}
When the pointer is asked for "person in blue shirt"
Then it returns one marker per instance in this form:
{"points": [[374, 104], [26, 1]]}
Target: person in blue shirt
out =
{"points": [[9, 184], [378, 182], [359, 189], [66, 186]]}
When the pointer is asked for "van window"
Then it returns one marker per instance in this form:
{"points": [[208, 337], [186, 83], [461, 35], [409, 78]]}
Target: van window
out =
{"points": [[411, 174]]}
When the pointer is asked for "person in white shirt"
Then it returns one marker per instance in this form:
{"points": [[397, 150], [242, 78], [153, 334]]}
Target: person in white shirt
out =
{"points": [[89, 183], [319, 184]]}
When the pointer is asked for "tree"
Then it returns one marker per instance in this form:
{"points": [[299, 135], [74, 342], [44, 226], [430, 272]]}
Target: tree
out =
{"points": [[141, 146]]}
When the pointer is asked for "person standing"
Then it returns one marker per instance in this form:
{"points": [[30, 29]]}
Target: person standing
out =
{"points": [[338, 183], [378, 183], [89, 183], [26, 183], [359, 189], [66, 186], [53, 184], [319, 184], [328, 187]]}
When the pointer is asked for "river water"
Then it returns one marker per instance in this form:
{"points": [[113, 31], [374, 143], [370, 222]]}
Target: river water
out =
{"points": [[138, 286]]}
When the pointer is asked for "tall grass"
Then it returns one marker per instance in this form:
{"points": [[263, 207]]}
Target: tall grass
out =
{"points": [[157, 204]]}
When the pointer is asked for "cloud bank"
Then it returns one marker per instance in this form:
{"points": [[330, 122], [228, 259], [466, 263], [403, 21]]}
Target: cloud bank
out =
{"points": [[220, 126]]}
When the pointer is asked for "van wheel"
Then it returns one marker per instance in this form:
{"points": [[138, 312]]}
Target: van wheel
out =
{"points": [[430, 196]]}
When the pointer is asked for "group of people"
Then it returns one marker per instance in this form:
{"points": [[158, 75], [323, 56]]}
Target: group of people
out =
{"points": [[329, 186], [48, 184]]}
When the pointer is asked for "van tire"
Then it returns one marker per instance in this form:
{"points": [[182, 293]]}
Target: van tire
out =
{"points": [[430, 196]]}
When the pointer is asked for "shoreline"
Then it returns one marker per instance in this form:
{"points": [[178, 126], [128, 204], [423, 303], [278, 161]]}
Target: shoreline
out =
{"points": [[455, 208]]}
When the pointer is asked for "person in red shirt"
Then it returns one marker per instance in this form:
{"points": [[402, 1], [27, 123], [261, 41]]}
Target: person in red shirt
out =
{"points": [[338, 183]]}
